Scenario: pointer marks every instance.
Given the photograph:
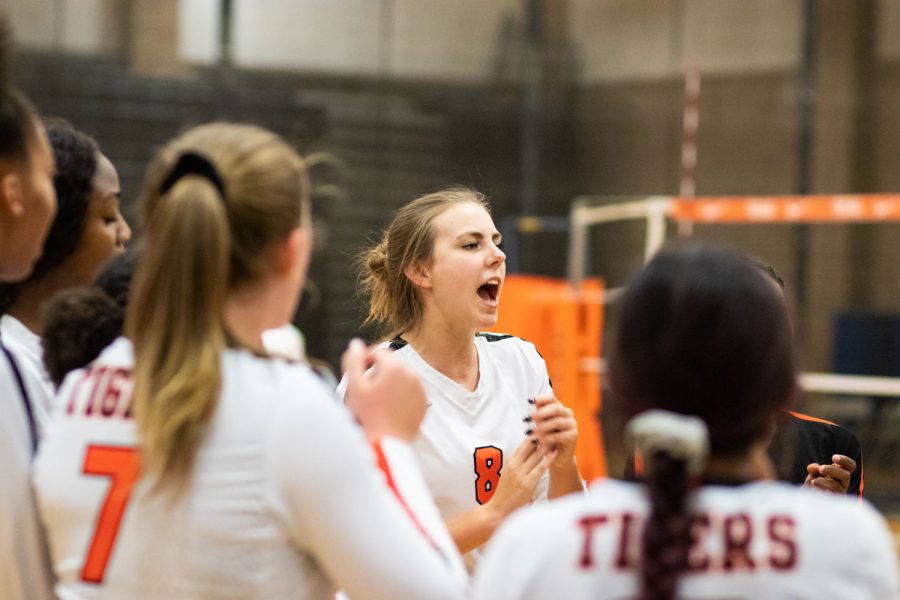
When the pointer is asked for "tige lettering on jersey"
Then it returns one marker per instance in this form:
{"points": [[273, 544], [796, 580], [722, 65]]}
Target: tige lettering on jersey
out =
{"points": [[109, 396], [719, 542]]}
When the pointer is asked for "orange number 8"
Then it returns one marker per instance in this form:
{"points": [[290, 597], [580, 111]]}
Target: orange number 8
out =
{"points": [[488, 462]]}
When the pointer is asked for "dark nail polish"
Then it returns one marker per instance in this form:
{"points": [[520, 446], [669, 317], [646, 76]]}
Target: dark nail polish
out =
{"points": [[526, 419], [531, 401], [529, 432]]}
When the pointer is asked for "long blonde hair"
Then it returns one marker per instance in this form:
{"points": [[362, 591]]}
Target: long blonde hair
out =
{"points": [[200, 245], [408, 240]]}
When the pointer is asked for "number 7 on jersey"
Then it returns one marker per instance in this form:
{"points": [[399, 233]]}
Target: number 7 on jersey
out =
{"points": [[122, 466]]}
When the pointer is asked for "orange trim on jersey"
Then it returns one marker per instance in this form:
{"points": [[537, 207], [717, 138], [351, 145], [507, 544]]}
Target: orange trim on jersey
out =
{"points": [[862, 480], [813, 419], [389, 478]]}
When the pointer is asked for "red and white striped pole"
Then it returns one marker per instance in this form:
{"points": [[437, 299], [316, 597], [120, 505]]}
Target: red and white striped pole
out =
{"points": [[690, 126]]}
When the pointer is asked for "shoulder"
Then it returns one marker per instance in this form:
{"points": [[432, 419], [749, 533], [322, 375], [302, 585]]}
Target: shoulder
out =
{"points": [[558, 524], [275, 379], [866, 535], [284, 403], [506, 344], [120, 353], [602, 495], [810, 507], [517, 356], [813, 430]]}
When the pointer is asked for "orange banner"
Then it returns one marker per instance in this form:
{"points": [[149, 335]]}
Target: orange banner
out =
{"points": [[779, 209]]}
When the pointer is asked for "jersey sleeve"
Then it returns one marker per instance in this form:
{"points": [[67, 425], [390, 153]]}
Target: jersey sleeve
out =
{"points": [[501, 572], [874, 563], [338, 509]]}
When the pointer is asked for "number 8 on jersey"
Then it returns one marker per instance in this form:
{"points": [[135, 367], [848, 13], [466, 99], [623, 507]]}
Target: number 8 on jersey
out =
{"points": [[488, 462]]}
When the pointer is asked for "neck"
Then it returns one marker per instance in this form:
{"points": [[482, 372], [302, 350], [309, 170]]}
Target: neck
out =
{"points": [[247, 315], [448, 350], [32, 295], [754, 465], [29, 303]]}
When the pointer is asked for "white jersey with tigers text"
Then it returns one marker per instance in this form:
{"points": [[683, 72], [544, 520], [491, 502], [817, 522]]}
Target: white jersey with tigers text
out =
{"points": [[768, 540]]}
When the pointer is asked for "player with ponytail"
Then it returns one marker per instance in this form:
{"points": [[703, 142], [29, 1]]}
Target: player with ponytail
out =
{"points": [[495, 438], [701, 365], [230, 473]]}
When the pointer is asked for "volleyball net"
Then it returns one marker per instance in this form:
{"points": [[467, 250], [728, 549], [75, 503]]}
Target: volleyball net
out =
{"points": [[564, 317]]}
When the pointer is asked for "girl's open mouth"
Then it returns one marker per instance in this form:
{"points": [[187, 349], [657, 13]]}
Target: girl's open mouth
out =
{"points": [[489, 291]]}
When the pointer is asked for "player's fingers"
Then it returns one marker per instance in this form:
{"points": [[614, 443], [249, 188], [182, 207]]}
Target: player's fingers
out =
{"points": [[534, 469], [532, 458], [545, 400], [561, 423], [353, 358], [828, 485], [523, 451], [835, 472], [378, 359], [844, 462], [546, 461], [551, 410], [813, 469], [554, 440]]}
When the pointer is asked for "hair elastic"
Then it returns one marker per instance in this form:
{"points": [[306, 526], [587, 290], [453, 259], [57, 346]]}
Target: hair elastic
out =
{"points": [[191, 163], [680, 436]]}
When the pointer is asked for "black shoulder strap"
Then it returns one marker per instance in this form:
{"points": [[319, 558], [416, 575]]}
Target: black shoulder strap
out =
{"points": [[26, 402], [493, 337], [397, 343]]}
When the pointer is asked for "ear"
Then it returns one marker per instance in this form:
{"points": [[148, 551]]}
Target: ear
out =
{"points": [[293, 249], [419, 275], [12, 196]]}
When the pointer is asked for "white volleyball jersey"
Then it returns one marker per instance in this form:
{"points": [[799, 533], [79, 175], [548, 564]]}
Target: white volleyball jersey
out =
{"points": [[285, 500], [29, 352], [25, 569], [767, 540], [466, 436]]}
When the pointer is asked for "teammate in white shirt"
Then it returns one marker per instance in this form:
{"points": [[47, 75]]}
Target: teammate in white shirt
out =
{"points": [[27, 206], [87, 232], [186, 463], [494, 436], [702, 359]]}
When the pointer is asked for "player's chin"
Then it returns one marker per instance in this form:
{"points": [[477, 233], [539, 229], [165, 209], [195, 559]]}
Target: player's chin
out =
{"points": [[487, 320]]}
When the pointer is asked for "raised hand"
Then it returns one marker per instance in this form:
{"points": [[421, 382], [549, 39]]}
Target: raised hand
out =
{"points": [[833, 478], [519, 478], [555, 428], [385, 395]]}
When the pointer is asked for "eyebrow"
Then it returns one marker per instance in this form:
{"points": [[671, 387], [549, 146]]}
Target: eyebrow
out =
{"points": [[111, 198], [478, 235]]}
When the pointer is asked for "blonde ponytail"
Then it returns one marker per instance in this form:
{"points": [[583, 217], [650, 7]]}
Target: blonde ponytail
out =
{"points": [[176, 323], [209, 228]]}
